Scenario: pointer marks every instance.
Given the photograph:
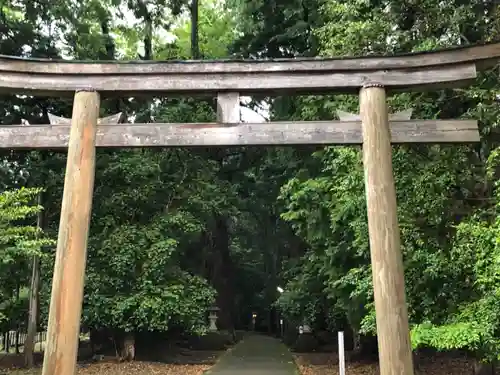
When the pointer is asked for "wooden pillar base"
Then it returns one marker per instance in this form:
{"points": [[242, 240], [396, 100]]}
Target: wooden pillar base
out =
{"points": [[69, 269], [385, 245]]}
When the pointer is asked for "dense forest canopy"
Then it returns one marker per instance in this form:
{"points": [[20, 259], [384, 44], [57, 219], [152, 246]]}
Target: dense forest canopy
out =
{"points": [[175, 231]]}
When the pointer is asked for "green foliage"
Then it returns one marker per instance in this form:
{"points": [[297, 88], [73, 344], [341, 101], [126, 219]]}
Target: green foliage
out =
{"points": [[448, 337], [152, 209], [216, 28], [329, 214], [475, 325], [19, 239], [156, 248], [277, 28], [144, 288], [444, 195]]}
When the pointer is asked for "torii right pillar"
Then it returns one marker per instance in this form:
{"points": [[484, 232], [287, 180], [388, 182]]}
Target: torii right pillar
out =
{"points": [[395, 354]]}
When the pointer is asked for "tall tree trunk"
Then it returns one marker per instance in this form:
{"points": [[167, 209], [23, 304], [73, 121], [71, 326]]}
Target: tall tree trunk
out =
{"points": [[109, 54], [109, 43], [356, 341], [223, 275], [148, 37], [195, 47], [128, 347], [144, 104], [481, 368], [29, 344], [6, 341], [16, 337]]}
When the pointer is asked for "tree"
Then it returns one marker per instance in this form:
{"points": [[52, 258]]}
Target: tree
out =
{"points": [[438, 187], [19, 240]]}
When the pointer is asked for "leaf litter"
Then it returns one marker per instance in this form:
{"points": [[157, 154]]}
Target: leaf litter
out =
{"points": [[327, 364], [113, 368]]}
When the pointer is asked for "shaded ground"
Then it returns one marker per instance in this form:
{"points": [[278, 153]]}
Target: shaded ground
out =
{"points": [[327, 364], [136, 368], [256, 355], [179, 362]]}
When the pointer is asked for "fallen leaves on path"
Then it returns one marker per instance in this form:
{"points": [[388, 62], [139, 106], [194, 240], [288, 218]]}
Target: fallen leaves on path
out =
{"points": [[135, 368], [327, 364], [142, 368]]}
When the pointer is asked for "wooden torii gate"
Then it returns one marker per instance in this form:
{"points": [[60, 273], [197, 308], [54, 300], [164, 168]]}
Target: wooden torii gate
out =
{"points": [[370, 76]]}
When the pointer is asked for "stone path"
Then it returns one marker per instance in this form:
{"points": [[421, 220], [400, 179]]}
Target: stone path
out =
{"points": [[256, 355]]}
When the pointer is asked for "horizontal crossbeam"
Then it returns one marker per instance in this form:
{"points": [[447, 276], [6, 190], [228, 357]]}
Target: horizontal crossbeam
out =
{"points": [[213, 134]]}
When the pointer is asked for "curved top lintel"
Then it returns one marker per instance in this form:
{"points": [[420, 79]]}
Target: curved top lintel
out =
{"points": [[403, 72], [482, 53]]}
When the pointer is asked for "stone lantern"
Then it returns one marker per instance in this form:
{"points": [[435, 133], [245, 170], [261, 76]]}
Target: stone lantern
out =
{"points": [[212, 318], [304, 328], [254, 317]]}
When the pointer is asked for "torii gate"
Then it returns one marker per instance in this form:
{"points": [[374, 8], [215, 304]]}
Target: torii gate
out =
{"points": [[370, 76]]}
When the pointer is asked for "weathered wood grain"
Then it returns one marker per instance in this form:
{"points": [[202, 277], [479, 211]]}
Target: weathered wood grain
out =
{"points": [[475, 54], [244, 83], [112, 119], [69, 269], [214, 134], [393, 334]]}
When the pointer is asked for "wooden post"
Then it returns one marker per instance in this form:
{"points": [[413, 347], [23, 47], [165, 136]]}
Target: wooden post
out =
{"points": [[69, 269], [385, 245], [228, 108], [341, 354]]}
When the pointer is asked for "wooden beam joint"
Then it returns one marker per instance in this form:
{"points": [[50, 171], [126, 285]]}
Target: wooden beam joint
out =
{"points": [[228, 108], [113, 119]]}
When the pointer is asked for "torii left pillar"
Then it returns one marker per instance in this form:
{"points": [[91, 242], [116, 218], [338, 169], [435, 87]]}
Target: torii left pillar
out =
{"points": [[69, 269]]}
